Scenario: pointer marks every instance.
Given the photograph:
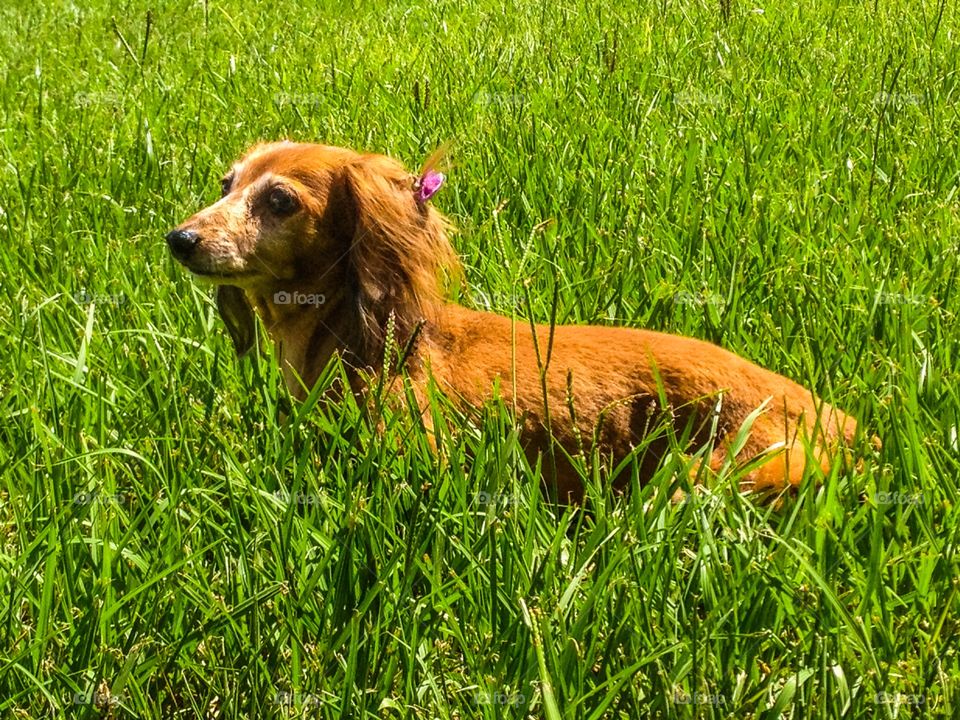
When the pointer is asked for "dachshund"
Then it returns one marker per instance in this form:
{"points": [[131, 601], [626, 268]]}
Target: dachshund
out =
{"points": [[340, 254]]}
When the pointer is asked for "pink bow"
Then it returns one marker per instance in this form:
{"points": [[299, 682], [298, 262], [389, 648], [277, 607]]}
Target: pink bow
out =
{"points": [[426, 187]]}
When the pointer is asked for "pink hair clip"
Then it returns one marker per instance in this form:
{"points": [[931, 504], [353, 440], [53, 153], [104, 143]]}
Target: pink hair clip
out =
{"points": [[427, 185]]}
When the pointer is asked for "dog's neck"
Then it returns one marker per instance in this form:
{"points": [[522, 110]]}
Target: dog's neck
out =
{"points": [[308, 328]]}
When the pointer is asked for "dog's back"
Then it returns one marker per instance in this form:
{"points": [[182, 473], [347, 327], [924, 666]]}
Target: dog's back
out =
{"points": [[610, 383]]}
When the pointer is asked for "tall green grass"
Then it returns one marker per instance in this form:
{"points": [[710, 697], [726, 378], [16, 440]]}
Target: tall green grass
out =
{"points": [[784, 183]]}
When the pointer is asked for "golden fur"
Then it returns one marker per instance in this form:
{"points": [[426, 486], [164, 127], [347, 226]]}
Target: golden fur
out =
{"points": [[342, 235]]}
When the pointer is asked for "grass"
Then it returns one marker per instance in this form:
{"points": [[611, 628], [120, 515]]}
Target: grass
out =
{"points": [[784, 183]]}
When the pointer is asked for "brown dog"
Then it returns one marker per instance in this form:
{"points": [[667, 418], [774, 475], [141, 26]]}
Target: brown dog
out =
{"points": [[331, 247]]}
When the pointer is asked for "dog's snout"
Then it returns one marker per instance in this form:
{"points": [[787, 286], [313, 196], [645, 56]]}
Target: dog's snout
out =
{"points": [[181, 242]]}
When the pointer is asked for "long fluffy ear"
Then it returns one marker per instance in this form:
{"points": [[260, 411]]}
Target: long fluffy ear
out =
{"points": [[238, 316], [399, 249]]}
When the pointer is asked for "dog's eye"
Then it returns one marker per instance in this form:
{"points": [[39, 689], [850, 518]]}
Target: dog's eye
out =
{"points": [[225, 185], [282, 201]]}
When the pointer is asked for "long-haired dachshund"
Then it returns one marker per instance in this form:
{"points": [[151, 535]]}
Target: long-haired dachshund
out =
{"points": [[331, 248]]}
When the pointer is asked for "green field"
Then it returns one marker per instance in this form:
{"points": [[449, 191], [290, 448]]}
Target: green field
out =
{"points": [[782, 181]]}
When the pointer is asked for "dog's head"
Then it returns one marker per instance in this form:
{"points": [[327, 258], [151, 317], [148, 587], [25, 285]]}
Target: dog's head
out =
{"points": [[322, 222]]}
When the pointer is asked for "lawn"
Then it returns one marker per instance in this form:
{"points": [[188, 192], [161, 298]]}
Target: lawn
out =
{"points": [[780, 178]]}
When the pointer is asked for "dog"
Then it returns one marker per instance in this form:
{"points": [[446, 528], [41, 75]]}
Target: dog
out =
{"points": [[341, 253]]}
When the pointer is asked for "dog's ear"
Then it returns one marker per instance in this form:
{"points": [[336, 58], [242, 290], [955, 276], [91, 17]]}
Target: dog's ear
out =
{"points": [[238, 316], [398, 247]]}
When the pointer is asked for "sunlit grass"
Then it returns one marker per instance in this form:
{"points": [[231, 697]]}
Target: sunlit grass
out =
{"points": [[173, 545]]}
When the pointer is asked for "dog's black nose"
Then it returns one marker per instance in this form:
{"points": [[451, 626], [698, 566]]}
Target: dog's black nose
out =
{"points": [[181, 242]]}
